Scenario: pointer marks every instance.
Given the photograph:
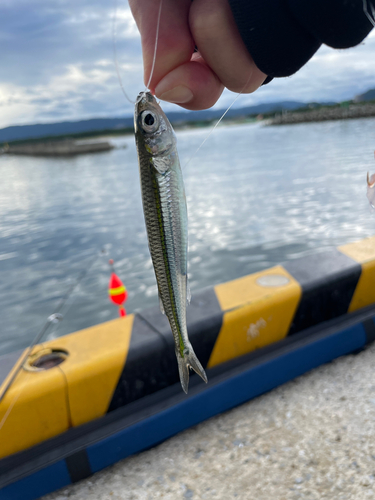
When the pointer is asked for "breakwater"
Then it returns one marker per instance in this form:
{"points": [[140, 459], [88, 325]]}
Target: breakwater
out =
{"points": [[57, 148], [324, 114]]}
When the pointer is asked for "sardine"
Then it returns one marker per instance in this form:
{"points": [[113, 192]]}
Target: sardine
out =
{"points": [[164, 207]]}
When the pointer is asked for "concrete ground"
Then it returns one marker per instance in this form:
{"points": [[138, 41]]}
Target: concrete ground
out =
{"points": [[312, 438]]}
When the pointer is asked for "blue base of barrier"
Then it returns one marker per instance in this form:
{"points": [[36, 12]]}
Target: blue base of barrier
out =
{"points": [[83, 451]]}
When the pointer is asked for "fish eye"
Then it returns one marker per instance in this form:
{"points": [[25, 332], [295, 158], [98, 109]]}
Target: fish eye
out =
{"points": [[149, 121]]}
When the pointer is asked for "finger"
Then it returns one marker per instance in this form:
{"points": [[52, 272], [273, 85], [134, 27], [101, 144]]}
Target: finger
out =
{"points": [[218, 40], [192, 85], [175, 43]]}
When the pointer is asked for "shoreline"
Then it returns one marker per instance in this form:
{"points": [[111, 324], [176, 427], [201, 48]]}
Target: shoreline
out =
{"points": [[57, 148], [343, 112]]}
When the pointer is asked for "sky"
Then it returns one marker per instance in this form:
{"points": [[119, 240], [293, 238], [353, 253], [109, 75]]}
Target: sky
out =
{"points": [[57, 63]]}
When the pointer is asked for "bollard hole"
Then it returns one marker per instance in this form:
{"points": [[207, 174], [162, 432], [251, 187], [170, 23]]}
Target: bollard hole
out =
{"points": [[46, 359]]}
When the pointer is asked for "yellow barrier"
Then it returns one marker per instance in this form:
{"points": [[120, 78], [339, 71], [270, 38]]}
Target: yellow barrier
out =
{"points": [[227, 321]]}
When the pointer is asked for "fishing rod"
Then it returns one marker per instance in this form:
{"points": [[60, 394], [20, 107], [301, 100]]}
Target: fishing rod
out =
{"points": [[52, 319]]}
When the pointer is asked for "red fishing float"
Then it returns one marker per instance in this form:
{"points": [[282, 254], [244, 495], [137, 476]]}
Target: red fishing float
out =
{"points": [[117, 291]]}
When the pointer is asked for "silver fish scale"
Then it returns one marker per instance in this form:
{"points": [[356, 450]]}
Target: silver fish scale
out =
{"points": [[166, 221]]}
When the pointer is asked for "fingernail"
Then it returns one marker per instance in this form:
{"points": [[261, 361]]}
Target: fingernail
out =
{"points": [[178, 95]]}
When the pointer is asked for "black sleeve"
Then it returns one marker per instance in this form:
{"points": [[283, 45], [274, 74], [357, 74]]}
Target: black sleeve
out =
{"points": [[282, 35]]}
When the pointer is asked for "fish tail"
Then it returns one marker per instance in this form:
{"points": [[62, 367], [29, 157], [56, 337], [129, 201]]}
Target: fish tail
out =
{"points": [[189, 360]]}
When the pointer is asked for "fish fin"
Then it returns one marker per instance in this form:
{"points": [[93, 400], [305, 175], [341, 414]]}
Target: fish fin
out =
{"points": [[161, 305], [183, 370], [188, 293], [189, 360]]}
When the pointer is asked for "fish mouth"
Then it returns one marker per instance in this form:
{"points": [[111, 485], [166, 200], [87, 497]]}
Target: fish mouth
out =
{"points": [[144, 96]]}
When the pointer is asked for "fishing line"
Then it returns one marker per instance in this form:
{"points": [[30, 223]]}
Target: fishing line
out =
{"points": [[368, 15], [53, 318], [14, 401], [114, 39], [156, 46], [217, 123]]}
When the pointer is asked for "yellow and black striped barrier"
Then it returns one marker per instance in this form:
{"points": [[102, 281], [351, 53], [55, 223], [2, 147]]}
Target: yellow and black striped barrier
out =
{"points": [[114, 364]]}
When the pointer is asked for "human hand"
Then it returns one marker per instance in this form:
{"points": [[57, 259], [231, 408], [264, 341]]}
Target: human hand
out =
{"points": [[194, 80]]}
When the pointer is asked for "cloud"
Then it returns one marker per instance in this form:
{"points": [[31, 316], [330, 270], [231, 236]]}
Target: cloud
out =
{"points": [[57, 63], [59, 57]]}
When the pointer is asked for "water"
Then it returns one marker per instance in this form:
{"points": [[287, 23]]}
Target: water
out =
{"points": [[257, 196]]}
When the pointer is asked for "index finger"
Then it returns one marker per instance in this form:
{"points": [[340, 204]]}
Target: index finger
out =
{"points": [[175, 43]]}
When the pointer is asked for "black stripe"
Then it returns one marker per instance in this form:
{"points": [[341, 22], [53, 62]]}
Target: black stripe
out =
{"points": [[369, 328], [147, 368], [78, 466], [204, 319], [151, 363], [328, 282]]}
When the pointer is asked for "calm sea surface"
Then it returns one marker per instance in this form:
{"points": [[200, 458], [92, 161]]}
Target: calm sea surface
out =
{"points": [[257, 196]]}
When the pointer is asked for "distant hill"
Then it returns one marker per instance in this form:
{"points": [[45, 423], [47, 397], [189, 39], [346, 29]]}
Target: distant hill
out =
{"points": [[214, 114], [20, 132], [107, 125], [367, 96]]}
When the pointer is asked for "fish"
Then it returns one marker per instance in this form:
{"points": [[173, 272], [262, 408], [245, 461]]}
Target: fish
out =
{"points": [[165, 212]]}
